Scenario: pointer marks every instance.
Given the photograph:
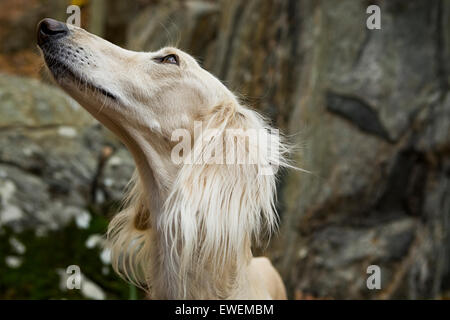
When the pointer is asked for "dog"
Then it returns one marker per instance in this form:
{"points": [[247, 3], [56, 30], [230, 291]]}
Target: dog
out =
{"points": [[186, 228]]}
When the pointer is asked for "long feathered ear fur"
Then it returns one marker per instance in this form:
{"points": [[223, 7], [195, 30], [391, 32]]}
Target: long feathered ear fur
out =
{"points": [[221, 200]]}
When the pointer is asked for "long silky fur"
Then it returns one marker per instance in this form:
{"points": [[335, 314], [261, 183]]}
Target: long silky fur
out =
{"points": [[198, 247]]}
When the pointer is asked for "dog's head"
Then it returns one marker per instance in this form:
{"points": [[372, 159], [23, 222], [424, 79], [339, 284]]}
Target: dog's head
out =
{"points": [[162, 91]]}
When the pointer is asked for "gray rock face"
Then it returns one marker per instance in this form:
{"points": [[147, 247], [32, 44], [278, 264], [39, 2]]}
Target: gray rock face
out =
{"points": [[370, 110], [51, 156], [376, 146], [28, 103]]}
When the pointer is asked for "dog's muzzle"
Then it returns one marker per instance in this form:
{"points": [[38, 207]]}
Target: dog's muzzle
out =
{"points": [[50, 30], [64, 57]]}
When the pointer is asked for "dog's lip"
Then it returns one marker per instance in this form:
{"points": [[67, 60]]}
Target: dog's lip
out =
{"points": [[104, 92], [92, 86]]}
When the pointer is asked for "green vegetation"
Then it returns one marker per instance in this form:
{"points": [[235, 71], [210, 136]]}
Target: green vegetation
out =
{"points": [[37, 276]]}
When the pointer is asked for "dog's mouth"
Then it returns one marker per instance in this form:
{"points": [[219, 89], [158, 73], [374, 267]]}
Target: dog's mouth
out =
{"points": [[62, 71], [70, 74]]}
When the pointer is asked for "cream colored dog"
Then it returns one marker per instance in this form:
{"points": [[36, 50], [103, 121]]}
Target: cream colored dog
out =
{"points": [[186, 228]]}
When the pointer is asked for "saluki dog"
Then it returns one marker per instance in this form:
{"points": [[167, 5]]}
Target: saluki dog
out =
{"points": [[190, 216]]}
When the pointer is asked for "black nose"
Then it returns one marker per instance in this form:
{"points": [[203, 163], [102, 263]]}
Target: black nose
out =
{"points": [[49, 29]]}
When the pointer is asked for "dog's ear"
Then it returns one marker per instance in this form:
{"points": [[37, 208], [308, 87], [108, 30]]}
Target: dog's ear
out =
{"points": [[222, 198]]}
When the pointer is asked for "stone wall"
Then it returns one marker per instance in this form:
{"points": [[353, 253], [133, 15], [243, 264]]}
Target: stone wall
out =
{"points": [[370, 113]]}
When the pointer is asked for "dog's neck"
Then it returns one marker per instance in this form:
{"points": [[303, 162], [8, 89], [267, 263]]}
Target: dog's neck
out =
{"points": [[156, 172]]}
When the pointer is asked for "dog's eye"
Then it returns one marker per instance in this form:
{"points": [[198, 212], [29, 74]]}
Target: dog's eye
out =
{"points": [[171, 59]]}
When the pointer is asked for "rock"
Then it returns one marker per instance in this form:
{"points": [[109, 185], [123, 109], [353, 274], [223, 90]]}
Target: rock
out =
{"points": [[13, 262], [19, 18], [94, 240], [50, 158], [18, 247], [91, 290], [376, 110], [370, 111], [52, 162], [340, 250], [189, 25], [29, 103], [115, 176], [18, 47]]}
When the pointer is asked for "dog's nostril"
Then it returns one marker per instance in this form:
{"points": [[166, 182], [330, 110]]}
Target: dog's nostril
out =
{"points": [[52, 27], [49, 28]]}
